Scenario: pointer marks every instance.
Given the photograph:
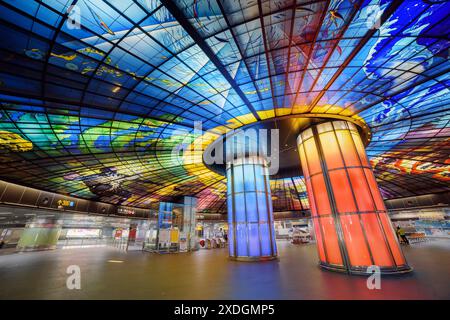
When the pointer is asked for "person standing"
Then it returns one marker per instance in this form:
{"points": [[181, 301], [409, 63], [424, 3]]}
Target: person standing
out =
{"points": [[402, 235]]}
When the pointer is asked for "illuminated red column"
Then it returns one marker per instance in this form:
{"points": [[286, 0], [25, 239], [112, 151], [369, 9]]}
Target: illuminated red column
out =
{"points": [[351, 224]]}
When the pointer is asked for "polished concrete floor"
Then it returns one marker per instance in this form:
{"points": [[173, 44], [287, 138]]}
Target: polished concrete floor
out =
{"points": [[207, 274]]}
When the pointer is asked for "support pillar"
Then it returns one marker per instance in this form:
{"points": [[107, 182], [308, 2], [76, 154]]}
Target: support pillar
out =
{"points": [[351, 224], [165, 219], [251, 233], [190, 222]]}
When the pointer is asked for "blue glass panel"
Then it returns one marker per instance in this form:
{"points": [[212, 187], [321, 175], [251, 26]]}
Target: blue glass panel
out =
{"points": [[241, 240], [259, 178], [262, 206], [253, 240], [238, 179], [231, 239], [251, 207], [273, 238], [230, 208], [265, 239], [229, 189], [239, 207], [249, 178]]}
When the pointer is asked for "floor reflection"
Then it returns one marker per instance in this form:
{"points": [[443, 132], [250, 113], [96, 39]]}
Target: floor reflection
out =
{"points": [[208, 274]]}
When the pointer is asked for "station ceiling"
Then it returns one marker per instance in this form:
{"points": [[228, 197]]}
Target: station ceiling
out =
{"points": [[98, 97]]}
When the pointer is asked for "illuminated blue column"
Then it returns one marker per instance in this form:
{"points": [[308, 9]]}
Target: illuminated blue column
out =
{"points": [[251, 232]]}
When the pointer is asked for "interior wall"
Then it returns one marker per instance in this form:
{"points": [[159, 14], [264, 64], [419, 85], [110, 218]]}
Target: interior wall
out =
{"points": [[14, 194]]}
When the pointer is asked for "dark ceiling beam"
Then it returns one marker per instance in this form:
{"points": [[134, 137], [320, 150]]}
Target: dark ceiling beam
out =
{"points": [[266, 54], [179, 16], [288, 57], [404, 89], [383, 65], [311, 52], [238, 46], [384, 182], [384, 17], [336, 41], [78, 105]]}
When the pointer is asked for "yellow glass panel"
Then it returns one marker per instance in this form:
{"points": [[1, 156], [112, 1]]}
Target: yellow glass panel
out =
{"points": [[331, 150], [346, 142], [360, 148], [303, 161], [312, 156]]}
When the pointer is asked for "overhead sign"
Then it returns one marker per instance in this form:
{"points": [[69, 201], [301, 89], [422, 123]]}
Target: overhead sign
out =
{"points": [[126, 211], [66, 203]]}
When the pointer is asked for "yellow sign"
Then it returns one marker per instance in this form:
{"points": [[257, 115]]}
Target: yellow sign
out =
{"points": [[66, 203], [174, 234]]}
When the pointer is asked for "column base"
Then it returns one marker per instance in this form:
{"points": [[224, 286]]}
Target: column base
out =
{"points": [[363, 270], [253, 259]]}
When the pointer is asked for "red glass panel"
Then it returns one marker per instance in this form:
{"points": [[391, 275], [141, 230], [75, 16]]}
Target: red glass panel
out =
{"points": [[311, 197], [319, 240], [392, 239], [342, 191], [377, 243], [331, 240], [374, 189], [361, 189], [321, 195], [358, 252]]}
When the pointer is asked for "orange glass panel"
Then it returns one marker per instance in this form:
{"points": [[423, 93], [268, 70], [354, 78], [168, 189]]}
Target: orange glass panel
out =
{"points": [[346, 142], [331, 150], [392, 239], [312, 156], [378, 246], [374, 189], [321, 195], [342, 191], [319, 240], [311, 198], [360, 148], [303, 161], [331, 240], [358, 252], [361, 189]]}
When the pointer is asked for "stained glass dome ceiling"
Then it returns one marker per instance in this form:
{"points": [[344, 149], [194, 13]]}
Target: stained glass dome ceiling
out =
{"points": [[97, 95]]}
